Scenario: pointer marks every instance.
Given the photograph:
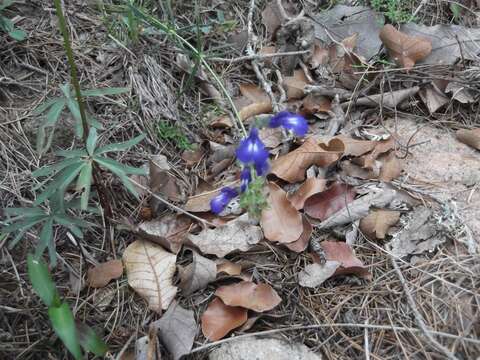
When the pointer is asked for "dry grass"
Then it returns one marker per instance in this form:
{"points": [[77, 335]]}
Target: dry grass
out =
{"points": [[350, 313]]}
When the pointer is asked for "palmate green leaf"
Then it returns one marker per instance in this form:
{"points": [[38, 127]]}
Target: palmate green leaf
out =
{"points": [[75, 153], [47, 170], [42, 282], [105, 91], [24, 212], [120, 146], [60, 182], [24, 224], [45, 238], [113, 164], [84, 183], [91, 141], [90, 341], [63, 323]]}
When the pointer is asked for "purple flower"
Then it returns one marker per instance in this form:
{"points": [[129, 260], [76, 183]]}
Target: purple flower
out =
{"points": [[252, 150], [290, 121], [219, 202], [245, 179], [262, 169]]}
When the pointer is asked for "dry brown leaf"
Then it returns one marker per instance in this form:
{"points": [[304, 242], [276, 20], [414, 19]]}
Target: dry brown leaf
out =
{"points": [[310, 187], [177, 329], [320, 55], [193, 157], [161, 181], [100, 275], [460, 93], [314, 103], [295, 84], [150, 270], [256, 297], [197, 275], [343, 253], [433, 97], [271, 137], [292, 166], [391, 168], [169, 231], [389, 99], [238, 234], [229, 267], [323, 205], [469, 137], [271, 18], [253, 93], [280, 221], [302, 243], [354, 147], [315, 274], [377, 223], [200, 202], [405, 50], [268, 50], [381, 147], [219, 319]]}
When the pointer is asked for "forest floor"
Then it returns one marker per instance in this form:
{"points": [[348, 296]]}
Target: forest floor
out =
{"points": [[389, 179]]}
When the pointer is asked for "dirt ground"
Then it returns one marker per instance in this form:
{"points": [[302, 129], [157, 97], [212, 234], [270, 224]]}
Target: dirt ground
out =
{"points": [[356, 318]]}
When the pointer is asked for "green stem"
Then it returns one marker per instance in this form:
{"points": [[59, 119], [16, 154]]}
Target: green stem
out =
{"points": [[73, 68], [102, 190]]}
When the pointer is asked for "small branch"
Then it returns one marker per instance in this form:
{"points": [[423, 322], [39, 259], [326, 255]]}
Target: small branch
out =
{"points": [[257, 56], [338, 117], [418, 317]]}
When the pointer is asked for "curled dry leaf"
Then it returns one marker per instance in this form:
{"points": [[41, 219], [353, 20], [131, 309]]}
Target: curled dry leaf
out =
{"points": [[292, 166], [315, 274], [280, 221], [314, 103], [343, 253], [198, 274], [238, 234], [177, 329], [323, 205], [310, 187], [169, 231], [229, 267], [256, 297], [391, 167], [470, 137], [405, 50], [100, 275], [150, 270], [302, 243], [377, 223], [219, 319]]}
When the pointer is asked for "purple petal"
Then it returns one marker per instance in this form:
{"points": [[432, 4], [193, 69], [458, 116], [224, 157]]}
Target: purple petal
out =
{"points": [[251, 149], [245, 179], [290, 121], [219, 202], [262, 168]]}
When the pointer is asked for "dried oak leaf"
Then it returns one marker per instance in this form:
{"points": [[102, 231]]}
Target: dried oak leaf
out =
{"points": [[228, 267], [301, 243], [368, 161], [469, 137], [343, 253], [253, 93], [198, 274], [150, 270], [177, 329], [377, 223], [354, 147], [193, 157], [310, 187], [295, 85], [100, 275], [314, 103], [405, 50], [169, 231], [238, 234], [315, 274], [280, 220], [246, 294], [219, 319], [320, 55], [292, 166], [323, 205], [391, 167]]}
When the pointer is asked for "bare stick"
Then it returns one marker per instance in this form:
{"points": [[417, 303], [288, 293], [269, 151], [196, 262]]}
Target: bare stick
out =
{"points": [[257, 57], [418, 317]]}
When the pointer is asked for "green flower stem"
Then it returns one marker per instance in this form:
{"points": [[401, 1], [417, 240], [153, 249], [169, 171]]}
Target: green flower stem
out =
{"points": [[102, 191]]}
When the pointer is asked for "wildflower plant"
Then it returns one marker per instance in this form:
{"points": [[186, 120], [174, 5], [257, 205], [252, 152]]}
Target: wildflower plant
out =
{"points": [[254, 159]]}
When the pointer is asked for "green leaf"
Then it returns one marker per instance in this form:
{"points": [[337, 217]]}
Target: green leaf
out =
{"points": [[7, 24], [61, 181], [16, 239], [76, 221], [94, 122], [75, 110], [45, 237], [84, 183], [40, 143], [42, 282], [92, 141], [18, 34], [69, 225], [114, 168], [90, 341], [54, 113], [105, 91], [120, 146], [42, 107], [113, 164], [72, 153], [47, 170], [25, 224], [5, 4], [24, 212], [64, 325]]}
